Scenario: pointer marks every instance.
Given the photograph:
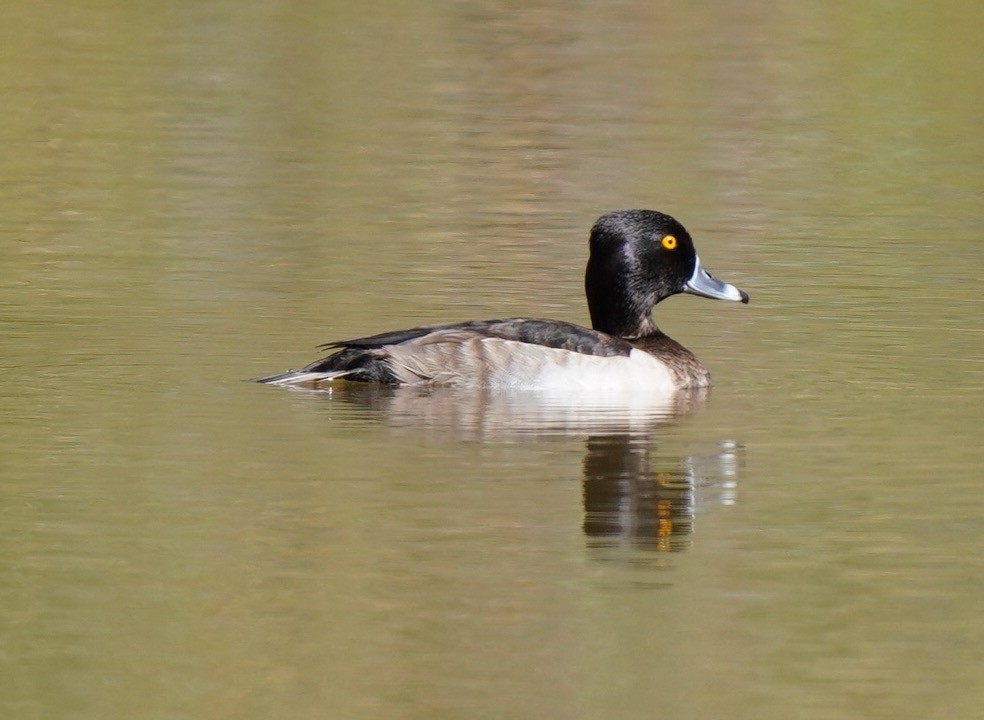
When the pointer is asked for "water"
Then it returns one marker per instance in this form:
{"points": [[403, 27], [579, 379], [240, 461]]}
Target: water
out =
{"points": [[196, 195]]}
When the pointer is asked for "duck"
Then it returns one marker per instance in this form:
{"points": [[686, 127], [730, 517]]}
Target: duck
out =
{"points": [[637, 258]]}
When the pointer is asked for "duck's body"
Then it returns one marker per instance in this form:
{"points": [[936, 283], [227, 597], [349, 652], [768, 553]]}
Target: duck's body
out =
{"points": [[638, 257], [513, 352]]}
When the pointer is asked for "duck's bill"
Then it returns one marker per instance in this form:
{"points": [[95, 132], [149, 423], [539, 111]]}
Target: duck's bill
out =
{"points": [[703, 283]]}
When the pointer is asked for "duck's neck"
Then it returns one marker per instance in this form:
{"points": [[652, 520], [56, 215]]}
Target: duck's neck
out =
{"points": [[622, 307], [632, 330], [617, 315]]}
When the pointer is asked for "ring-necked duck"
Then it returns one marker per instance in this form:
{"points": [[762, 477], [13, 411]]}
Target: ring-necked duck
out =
{"points": [[638, 257]]}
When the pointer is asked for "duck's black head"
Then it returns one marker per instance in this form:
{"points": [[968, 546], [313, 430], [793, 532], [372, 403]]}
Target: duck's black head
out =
{"points": [[639, 257]]}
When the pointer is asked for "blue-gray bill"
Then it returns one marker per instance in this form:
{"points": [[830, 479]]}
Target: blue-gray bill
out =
{"points": [[704, 284]]}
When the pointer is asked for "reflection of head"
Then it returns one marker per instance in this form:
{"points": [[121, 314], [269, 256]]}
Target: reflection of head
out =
{"points": [[625, 501], [628, 501]]}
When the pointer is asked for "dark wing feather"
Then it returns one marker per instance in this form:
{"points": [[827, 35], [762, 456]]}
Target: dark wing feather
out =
{"points": [[548, 333]]}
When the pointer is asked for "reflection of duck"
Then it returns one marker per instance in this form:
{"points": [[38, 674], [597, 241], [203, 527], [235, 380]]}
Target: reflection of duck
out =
{"points": [[630, 497], [638, 257]]}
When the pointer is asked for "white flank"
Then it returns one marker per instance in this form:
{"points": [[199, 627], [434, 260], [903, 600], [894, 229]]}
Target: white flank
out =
{"points": [[497, 363]]}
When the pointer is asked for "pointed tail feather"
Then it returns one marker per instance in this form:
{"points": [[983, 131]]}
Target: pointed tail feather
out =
{"points": [[303, 378]]}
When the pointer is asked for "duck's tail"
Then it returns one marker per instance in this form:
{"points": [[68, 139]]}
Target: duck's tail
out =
{"points": [[313, 380]]}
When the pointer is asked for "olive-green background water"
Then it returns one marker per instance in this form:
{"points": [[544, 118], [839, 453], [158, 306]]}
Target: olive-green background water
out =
{"points": [[192, 194]]}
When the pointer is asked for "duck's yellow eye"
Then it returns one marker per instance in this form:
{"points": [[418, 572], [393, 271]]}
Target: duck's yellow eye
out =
{"points": [[669, 242]]}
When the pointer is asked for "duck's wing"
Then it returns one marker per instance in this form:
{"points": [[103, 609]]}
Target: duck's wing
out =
{"points": [[546, 333], [470, 353]]}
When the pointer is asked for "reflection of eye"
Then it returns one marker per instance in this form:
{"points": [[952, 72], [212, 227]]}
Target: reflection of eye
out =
{"points": [[669, 242]]}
